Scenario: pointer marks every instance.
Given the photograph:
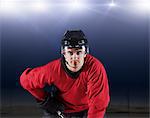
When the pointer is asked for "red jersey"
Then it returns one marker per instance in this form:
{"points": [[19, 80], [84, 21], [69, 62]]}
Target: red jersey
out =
{"points": [[88, 91]]}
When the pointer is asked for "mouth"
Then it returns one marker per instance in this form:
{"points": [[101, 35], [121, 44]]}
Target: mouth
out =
{"points": [[74, 64]]}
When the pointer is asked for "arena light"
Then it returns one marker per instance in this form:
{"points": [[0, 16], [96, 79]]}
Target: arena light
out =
{"points": [[13, 6], [8, 6], [43, 5], [143, 5], [112, 4], [39, 6], [76, 5]]}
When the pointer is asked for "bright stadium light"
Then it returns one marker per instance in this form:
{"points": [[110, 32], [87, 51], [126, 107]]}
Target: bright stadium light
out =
{"points": [[140, 6], [76, 5], [16, 6], [39, 6], [112, 3], [8, 6], [143, 5]]}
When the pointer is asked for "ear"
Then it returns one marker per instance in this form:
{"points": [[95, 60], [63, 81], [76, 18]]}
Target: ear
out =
{"points": [[85, 55], [62, 52]]}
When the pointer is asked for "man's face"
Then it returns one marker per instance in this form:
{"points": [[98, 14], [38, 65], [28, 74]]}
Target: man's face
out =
{"points": [[74, 58]]}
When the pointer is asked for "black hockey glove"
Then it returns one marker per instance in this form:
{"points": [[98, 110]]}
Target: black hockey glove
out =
{"points": [[51, 104]]}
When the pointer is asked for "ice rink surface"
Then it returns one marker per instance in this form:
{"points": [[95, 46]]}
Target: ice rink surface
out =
{"points": [[34, 112], [113, 115]]}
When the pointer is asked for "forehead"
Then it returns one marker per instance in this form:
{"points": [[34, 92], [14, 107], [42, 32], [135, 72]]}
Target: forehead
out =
{"points": [[74, 49]]}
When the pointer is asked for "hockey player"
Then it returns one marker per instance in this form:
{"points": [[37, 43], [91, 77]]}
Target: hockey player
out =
{"points": [[78, 81]]}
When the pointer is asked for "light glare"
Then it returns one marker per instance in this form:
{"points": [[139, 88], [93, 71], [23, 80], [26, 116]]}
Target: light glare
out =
{"points": [[76, 5], [39, 6], [141, 5], [112, 4], [8, 6], [144, 5]]}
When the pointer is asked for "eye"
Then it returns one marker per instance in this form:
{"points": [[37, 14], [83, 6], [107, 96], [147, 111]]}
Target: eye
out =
{"points": [[70, 53], [78, 52]]}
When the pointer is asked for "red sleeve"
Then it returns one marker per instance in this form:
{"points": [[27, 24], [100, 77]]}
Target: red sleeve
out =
{"points": [[34, 80], [98, 92]]}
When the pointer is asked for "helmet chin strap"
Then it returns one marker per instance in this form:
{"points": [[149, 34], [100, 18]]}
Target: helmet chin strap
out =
{"points": [[67, 63]]}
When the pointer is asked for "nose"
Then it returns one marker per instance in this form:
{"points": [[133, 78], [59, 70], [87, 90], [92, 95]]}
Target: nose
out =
{"points": [[75, 56]]}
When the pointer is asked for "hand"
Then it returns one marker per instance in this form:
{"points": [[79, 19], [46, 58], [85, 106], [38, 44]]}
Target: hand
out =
{"points": [[50, 104]]}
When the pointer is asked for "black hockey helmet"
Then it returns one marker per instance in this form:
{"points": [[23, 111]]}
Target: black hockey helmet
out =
{"points": [[74, 39]]}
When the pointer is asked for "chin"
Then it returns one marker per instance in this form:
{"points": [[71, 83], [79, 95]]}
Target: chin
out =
{"points": [[75, 70]]}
